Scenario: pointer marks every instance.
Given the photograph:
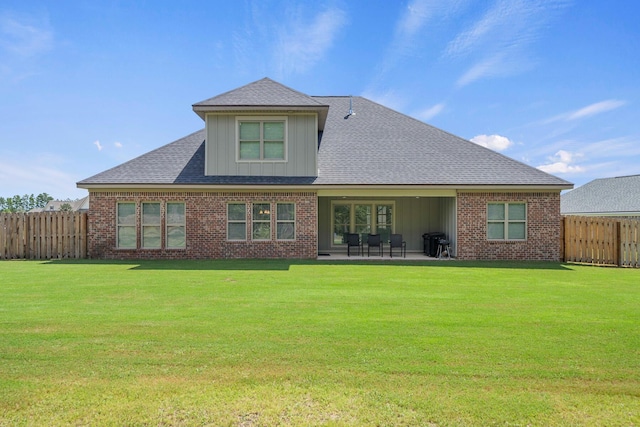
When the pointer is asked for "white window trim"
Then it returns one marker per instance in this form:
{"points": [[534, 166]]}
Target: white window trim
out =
{"points": [[262, 119], [506, 221], [168, 224], [352, 214]]}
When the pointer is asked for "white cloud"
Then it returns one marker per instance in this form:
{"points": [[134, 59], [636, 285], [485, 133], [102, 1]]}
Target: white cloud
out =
{"points": [[117, 144], [304, 43], [499, 38], [430, 112], [494, 142], [390, 99], [561, 162], [23, 39], [414, 18], [42, 176], [98, 145], [488, 67], [597, 108], [588, 111]]}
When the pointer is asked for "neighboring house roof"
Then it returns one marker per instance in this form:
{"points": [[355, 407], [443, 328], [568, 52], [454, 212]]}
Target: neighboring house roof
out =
{"points": [[374, 146], [605, 196], [55, 205]]}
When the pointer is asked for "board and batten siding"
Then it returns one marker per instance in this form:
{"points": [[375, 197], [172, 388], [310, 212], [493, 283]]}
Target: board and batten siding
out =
{"points": [[301, 146]]}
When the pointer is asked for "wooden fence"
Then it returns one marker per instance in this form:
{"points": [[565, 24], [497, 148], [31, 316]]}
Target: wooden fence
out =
{"points": [[49, 235], [43, 235], [602, 241]]}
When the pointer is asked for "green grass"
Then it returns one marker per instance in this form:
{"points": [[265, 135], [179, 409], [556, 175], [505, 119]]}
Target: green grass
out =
{"points": [[251, 343]]}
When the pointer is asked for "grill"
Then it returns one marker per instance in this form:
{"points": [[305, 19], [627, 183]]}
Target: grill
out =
{"points": [[431, 242]]}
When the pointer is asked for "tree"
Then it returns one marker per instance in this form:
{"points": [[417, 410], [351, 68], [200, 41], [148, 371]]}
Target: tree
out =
{"points": [[66, 207], [24, 203]]}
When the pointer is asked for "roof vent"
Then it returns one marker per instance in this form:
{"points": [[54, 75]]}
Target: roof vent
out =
{"points": [[351, 112]]}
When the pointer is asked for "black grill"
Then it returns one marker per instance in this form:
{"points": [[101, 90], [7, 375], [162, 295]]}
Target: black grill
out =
{"points": [[430, 243]]}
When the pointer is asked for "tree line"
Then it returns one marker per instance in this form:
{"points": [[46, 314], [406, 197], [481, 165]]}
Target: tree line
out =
{"points": [[24, 203]]}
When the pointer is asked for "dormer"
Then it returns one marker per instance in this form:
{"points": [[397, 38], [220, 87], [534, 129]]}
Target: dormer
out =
{"points": [[262, 129]]}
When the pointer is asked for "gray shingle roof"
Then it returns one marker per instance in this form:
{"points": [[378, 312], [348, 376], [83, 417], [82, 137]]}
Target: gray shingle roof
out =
{"points": [[604, 196], [264, 92], [376, 146], [181, 162]]}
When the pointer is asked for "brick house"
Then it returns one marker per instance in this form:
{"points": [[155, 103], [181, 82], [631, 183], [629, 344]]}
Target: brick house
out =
{"points": [[276, 173]]}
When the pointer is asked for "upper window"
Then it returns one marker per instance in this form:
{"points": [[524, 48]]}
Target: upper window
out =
{"points": [[507, 221], [261, 140]]}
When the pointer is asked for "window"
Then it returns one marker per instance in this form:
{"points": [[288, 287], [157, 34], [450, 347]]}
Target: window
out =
{"points": [[384, 221], [237, 221], [285, 221], [261, 140], [151, 236], [261, 229], [507, 221], [362, 218], [176, 226], [341, 223], [126, 226]]}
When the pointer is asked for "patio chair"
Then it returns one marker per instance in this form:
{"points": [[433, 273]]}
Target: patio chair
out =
{"points": [[397, 242], [353, 240], [375, 241]]}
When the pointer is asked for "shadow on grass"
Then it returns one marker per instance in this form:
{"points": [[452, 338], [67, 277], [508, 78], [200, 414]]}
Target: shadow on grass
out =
{"points": [[286, 264]]}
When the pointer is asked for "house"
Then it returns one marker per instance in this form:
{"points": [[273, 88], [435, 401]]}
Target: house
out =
{"points": [[619, 196], [276, 173], [79, 205]]}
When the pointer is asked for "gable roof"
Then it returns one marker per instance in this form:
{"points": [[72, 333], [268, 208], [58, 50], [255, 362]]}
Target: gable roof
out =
{"points": [[375, 146], [264, 94], [606, 196]]}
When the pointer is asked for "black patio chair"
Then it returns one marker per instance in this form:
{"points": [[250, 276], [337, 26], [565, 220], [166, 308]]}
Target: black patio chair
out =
{"points": [[353, 241], [397, 242], [374, 240]]}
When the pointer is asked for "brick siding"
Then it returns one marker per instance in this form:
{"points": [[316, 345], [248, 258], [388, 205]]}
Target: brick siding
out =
{"points": [[206, 225], [543, 227]]}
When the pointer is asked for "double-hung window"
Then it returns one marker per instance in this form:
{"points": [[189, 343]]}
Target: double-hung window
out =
{"points": [[236, 221], [261, 221], [507, 221], [261, 139], [126, 225], [176, 229], [285, 221], [151, 236]]}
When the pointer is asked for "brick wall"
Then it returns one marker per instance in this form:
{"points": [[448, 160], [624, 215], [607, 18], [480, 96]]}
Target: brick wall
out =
{"points": [[206, 224], [543, 227]]}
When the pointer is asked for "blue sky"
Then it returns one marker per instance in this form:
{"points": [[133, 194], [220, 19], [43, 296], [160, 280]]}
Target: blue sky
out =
{"points": [[87, 85]]}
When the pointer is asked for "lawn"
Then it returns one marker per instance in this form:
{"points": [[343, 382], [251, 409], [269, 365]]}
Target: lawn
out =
{"points": [[262, 343]]}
